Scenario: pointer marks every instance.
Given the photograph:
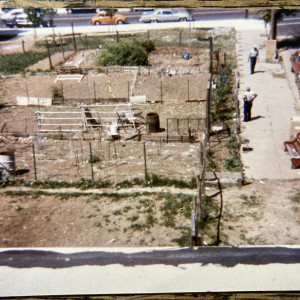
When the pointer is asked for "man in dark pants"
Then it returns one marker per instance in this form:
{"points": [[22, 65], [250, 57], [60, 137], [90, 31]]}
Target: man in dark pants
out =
{"points": [[248, 101], [253, 58]]}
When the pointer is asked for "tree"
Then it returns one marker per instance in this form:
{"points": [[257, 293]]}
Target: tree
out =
{"points": [[35, 15], [126, 52], [272, 17]]}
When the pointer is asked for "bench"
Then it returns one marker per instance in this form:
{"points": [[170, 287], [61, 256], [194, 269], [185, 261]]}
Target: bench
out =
{"points": [[293, 147]]}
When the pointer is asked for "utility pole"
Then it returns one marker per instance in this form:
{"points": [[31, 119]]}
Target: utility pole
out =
{"points": [[273, 32]]}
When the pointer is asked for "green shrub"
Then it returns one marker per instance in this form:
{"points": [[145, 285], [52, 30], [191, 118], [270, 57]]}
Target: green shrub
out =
{"points": [[93, 159], [56, 92], [232, 163], [126, 52]]}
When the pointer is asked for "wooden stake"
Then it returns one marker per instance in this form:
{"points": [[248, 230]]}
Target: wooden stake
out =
{"points": [[23, 46], [62, 47], [91, 159], [34, 162], [145, 162], [95, 96], [49, 55], [86, 42], [74, 40]]}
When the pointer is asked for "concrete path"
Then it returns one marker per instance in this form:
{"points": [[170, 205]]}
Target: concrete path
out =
{"points": [[271, 113]]}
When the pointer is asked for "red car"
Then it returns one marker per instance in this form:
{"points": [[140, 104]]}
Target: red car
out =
{"points": [[295, 64]]}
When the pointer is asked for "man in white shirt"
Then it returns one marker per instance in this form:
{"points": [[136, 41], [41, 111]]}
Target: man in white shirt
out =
{"points": [[248, 101], [253, 55]]}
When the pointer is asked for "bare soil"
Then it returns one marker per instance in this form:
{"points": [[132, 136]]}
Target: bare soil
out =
{"points": [[261, 213]]}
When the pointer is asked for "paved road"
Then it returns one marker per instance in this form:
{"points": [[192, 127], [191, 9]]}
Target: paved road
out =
{"points": [[289, 26]]}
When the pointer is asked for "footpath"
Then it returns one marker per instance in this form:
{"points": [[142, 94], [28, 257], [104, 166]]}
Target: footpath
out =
{"points": [[271, 113]]}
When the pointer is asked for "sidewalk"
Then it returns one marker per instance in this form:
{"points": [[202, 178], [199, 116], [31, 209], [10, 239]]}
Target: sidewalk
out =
{"points": [[272, 111]]}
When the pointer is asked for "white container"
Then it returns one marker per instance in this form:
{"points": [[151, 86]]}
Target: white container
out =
{"points": [[7, 162], [114, 129]]}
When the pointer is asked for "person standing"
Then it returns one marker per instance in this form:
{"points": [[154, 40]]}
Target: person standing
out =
{"points": [[248, 101], [253, 55]]}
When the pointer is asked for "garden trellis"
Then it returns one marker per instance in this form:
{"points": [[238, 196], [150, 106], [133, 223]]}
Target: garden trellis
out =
{"points": [[87, 118]]}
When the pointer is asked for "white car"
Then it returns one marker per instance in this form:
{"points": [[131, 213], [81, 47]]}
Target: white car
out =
{"points": [[165, 15], [11, 15]]}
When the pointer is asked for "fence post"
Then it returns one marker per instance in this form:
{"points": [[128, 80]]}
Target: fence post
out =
{"points": [[117, 34], [86, 42], [95, 96], [91, 160], [34, 162], [27, 93], [23, 46], [188, 89], [145, 162], [61, 47], [74, 40], [128, 91], [62, 93], [180, 38], [49, 54], [161, 91]]}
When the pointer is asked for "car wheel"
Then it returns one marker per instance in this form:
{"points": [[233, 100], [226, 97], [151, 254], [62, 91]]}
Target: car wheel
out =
{"points": [[69, 11], [182, 20], [120, 22], [292, 70], [154, 21], [97, 23]]}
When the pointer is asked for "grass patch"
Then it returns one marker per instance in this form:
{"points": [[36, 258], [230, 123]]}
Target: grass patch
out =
{"points": [[185, 239], [296, 197], [174, 205], [18, 62]]}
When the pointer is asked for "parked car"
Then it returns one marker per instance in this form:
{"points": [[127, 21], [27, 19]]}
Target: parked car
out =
{"points": [[21, 20], [295, 64], [103, 18], [165, 15], [9, 16]]}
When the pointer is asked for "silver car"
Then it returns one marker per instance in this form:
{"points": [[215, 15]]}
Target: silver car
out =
{"points": [[165, 15]]}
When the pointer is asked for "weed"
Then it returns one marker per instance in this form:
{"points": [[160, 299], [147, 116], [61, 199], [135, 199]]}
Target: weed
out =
{"points": [[143, 242], [210, 164], [296, 197], [132, 218], [99, 224], [106, 218], [137, 227], [91, 216], [18, 208], [184, 239], [127, 209], [172, 204], [93, 159], [117, 212], [56, 92], [150, 221]]}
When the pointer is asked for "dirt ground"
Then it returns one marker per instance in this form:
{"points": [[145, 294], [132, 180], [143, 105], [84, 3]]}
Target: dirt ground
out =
{"points": [[259, 213]]}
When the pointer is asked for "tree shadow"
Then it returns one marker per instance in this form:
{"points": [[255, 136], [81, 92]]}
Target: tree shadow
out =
{"points": [[288, 43], [22, 171]]}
